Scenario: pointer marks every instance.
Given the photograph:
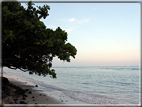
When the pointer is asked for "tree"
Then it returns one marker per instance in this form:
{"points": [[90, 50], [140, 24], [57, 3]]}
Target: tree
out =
{"points": [[26, 42]]}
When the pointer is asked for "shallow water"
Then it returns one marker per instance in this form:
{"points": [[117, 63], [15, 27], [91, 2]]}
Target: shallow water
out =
{"points": [[93, 85]]}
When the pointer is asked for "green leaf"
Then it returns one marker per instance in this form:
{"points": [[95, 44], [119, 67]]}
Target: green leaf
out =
{"points": [[50, 43], [38, 43], [5, 8], [21, 12], [11, 33], [25, 21], [68, 60]]}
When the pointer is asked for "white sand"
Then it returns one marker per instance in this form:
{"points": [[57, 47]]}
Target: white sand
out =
{"points": [[52, 97]]}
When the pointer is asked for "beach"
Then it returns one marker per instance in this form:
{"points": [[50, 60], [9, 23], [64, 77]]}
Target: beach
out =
{"points": [[36, 96], [44, 91]]}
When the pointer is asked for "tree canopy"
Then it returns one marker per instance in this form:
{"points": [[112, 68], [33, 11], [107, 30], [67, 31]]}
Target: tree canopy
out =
{"points": [[27, 44]]}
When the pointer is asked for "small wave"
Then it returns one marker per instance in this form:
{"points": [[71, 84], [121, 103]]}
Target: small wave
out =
{"points": [[43, 84], [121, 68], [135, 69], [50, 86], [92, 98], [87, 83], [124, 83]]}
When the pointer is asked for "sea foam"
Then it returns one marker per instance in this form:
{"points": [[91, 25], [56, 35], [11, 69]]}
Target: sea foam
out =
{"points": [[93, 98]]}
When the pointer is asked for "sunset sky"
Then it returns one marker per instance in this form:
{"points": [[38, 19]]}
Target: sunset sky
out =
{"points": [[105, 34]]}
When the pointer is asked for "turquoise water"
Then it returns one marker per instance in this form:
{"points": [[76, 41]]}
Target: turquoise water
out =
{"points": [[121, 82]]}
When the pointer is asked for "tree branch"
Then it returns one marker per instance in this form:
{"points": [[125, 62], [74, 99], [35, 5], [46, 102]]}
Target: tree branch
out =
{"points": [[32, 48]]}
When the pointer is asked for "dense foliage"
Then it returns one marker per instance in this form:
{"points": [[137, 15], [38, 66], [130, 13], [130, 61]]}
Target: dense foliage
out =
{"points": [[26, 42]]}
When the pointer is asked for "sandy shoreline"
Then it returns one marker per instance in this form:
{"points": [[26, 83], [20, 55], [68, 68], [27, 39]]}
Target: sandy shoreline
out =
{"points": [[38, 96]]}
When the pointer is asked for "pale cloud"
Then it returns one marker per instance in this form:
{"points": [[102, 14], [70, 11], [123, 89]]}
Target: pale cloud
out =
{"points": [[85, 20], [76, 21], [79, 21], [72, 19]]}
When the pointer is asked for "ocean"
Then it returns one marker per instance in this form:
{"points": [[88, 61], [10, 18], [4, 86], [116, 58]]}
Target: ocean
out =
{"points": [[92, 84]]}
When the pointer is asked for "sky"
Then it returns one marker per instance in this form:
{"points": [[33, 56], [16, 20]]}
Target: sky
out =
{"points": [[104, 34]]}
